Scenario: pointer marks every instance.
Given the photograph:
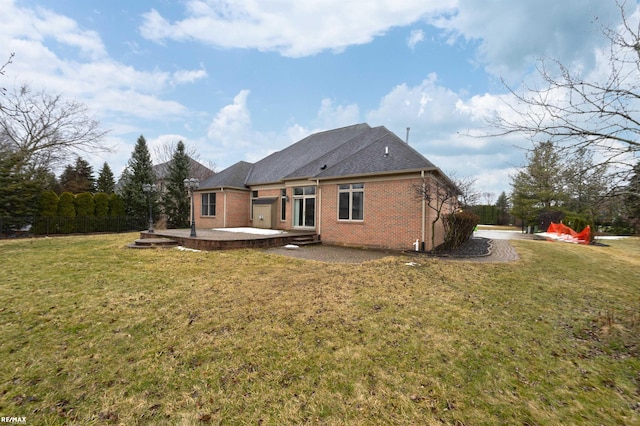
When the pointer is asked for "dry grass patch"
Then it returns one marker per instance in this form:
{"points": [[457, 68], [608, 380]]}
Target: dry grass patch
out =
{"points": [[94, 333]]}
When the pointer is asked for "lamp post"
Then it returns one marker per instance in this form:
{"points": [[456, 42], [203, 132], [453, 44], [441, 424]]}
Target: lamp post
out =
{"points": [[148, 189], [191, 185]]}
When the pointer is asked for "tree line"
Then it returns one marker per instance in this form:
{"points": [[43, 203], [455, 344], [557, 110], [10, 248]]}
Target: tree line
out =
{"points": [[40, 131], [583, 165]]}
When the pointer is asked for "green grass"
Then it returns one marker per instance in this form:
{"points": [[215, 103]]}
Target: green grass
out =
{"points": [[94, 333]]}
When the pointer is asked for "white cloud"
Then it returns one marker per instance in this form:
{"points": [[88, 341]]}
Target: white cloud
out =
{"points": [[189, 76], [511, 35], [86, 73], [232, 124], [332, 116], [415, 37], [39, 25], [448, 128], [291, 27]]}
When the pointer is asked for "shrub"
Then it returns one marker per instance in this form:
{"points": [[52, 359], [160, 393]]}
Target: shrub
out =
{"points": [[48, 204], [458, 228], [116, 205], [84, 204], [46, 222], [101, 204], [66, 213]]}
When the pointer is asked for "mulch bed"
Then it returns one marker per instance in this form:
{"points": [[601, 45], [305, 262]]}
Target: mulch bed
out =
{"points": [[473, 247]]}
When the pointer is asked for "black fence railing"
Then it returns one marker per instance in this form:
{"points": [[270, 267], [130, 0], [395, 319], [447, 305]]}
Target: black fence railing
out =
{"points": [[14, 227]]}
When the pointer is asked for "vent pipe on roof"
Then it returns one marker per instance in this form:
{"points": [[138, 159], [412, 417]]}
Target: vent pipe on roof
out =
{"points": [[407, 139]]}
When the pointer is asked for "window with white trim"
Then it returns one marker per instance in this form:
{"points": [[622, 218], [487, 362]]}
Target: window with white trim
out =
{"points": [[351, 201], [209, 204]]}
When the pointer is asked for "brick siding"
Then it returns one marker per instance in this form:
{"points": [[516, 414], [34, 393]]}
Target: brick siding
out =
{"points": [[392, 214], [392, 217]]}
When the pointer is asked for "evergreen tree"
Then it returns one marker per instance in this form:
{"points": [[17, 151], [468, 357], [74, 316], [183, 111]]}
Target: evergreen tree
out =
{"points": [[48, 204], [106, 182], [78, 178], [47, 210], [66, 212], [116, 205], [632, 196], [139, 171], [542, 178], [20, 188], [66, 206], [101, 204], [502, 204], [175, 199], [84, 204]]}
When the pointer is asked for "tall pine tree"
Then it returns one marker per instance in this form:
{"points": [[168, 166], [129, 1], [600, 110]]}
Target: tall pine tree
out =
{"points": [[106, 182], [78, 178], [139, 171], [175, 199]]}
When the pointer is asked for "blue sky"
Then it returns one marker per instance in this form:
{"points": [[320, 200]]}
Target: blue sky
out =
{"points": [[237, 80]]}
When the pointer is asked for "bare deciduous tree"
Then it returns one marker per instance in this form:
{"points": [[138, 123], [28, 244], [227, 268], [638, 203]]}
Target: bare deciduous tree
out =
{"points": [[164, 154], [440, 194], [576, 112], [44, 129], [2, 71]]}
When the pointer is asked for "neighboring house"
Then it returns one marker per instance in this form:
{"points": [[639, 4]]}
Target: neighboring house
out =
{"points": [[196, 170], [353, 186]]}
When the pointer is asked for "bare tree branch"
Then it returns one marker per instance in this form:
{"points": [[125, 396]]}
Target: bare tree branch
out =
{"points": [[578, 113], [46, 129]]}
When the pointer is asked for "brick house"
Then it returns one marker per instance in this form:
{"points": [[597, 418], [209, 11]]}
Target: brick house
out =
{"points": [[353, 186]]}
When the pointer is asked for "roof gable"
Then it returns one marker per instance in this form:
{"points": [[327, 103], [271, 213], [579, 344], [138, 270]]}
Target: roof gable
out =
{"points": [[233, 176], [281, 164], [196, 169]]}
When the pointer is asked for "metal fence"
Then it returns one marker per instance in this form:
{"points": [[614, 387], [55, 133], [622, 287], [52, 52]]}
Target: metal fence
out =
{"points": [[15, 227]]}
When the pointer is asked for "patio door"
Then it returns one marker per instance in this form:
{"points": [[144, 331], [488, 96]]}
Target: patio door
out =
{"points": [[304, 207]]}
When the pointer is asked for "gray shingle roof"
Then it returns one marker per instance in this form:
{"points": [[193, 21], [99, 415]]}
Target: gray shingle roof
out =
{"points": [[348, 151], [195, 169], [283, 163], [384, 154], [232, 177]]}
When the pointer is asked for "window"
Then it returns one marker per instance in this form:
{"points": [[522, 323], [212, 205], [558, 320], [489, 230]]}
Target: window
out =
{"points": [[351, 201], [283, 204], [209, 204]]}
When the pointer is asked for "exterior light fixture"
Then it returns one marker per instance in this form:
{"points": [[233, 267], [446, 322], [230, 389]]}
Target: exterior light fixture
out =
{"points": [[148, 189], [191, 185]]}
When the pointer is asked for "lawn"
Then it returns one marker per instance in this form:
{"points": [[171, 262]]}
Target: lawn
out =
{"points": [[94, 333]]}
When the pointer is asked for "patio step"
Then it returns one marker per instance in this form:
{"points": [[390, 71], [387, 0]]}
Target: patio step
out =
{"points": [[305, 240], [152, 243]]}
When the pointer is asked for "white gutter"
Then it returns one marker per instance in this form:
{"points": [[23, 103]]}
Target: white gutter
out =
{"points": [[319, 207], [424, 209], [224, 213]]}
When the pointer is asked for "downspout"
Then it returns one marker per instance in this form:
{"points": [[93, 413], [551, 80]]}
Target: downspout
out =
{"points": [[424, 210], [224, 213], [319, 207]]}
